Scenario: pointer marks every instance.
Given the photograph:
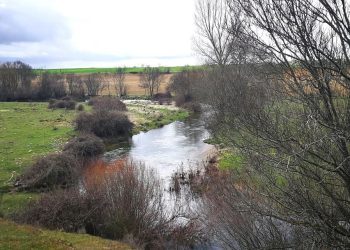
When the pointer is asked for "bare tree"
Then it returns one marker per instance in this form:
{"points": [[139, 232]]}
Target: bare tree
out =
{"points": [[213, 39], [119, 78], [94, 84], [184, 84], [150, 80], [15, 80], [51, 86], [287, 112], [75, 86]]}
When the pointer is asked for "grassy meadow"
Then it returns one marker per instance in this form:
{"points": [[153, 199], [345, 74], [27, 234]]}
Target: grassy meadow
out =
{"points": [[28, 130]]}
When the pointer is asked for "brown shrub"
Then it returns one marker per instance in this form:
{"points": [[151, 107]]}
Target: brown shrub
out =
{"points": [[62, 104], [58, 210], [124, 204], [80, 107], [85, 146], [49, 172], [192, 106], [162, 98], [104, 123], [107, 103]]}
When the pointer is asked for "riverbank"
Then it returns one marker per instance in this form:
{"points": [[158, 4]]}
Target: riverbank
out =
{"points": [[30, 130]]}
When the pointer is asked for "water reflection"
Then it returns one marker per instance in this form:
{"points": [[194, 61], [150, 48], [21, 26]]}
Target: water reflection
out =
{"points": [[167, 148]]}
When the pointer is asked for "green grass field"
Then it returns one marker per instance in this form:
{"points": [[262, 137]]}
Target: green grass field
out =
{"points": [[15, 236], [135, 70], [28, 130]]}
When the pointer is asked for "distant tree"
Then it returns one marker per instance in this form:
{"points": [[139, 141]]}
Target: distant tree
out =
{"points": [[51, 86], [75, 86], [119, 80], [94, 84], [150, 80], [183, 84], [15, 80]]}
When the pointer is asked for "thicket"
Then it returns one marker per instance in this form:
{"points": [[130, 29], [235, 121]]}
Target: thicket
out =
{"points": [[107, 103], [127, 204], [85, 146], [16, 81], [50, 172], [62, 104], [184, 85], [278, 85], [62, 170]]}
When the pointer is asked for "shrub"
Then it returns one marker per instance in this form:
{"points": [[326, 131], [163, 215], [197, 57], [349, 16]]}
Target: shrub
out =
{"points": [[192, 106], [162, 98], [104, 123], [49, 172], [60, 210], [80, 107], [158, 96], [107, 103], [127, 203], [62, 104], [85, 146]]}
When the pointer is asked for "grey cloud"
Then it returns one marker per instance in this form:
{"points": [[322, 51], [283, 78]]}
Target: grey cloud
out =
{"points": [[30, 22]]}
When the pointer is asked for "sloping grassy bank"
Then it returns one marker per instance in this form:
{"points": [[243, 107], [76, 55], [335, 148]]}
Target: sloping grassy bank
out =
{"points": [[14, 236]]}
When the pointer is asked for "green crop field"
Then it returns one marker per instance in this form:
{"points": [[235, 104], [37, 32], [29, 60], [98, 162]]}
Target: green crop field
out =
{"points": [[131, 70], [13, 236]]}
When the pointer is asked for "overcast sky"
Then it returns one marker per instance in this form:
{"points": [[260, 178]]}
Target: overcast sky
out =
{"points": [[97, 33]]}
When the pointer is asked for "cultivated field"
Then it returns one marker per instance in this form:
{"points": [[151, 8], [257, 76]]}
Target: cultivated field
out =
{"points": [[132, 82]]}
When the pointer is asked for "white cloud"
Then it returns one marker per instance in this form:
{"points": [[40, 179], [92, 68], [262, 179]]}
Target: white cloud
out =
{"points": [[100, 32]]}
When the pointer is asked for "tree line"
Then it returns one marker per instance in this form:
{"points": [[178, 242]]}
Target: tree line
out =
{"points": [[18, 82]]}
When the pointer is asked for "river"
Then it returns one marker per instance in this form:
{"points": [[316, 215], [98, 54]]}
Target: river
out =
{"points": [[178, 144]]}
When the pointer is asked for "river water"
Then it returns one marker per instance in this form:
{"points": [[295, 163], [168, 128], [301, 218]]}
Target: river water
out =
{"points": [[167, 149], [176, 146]]}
